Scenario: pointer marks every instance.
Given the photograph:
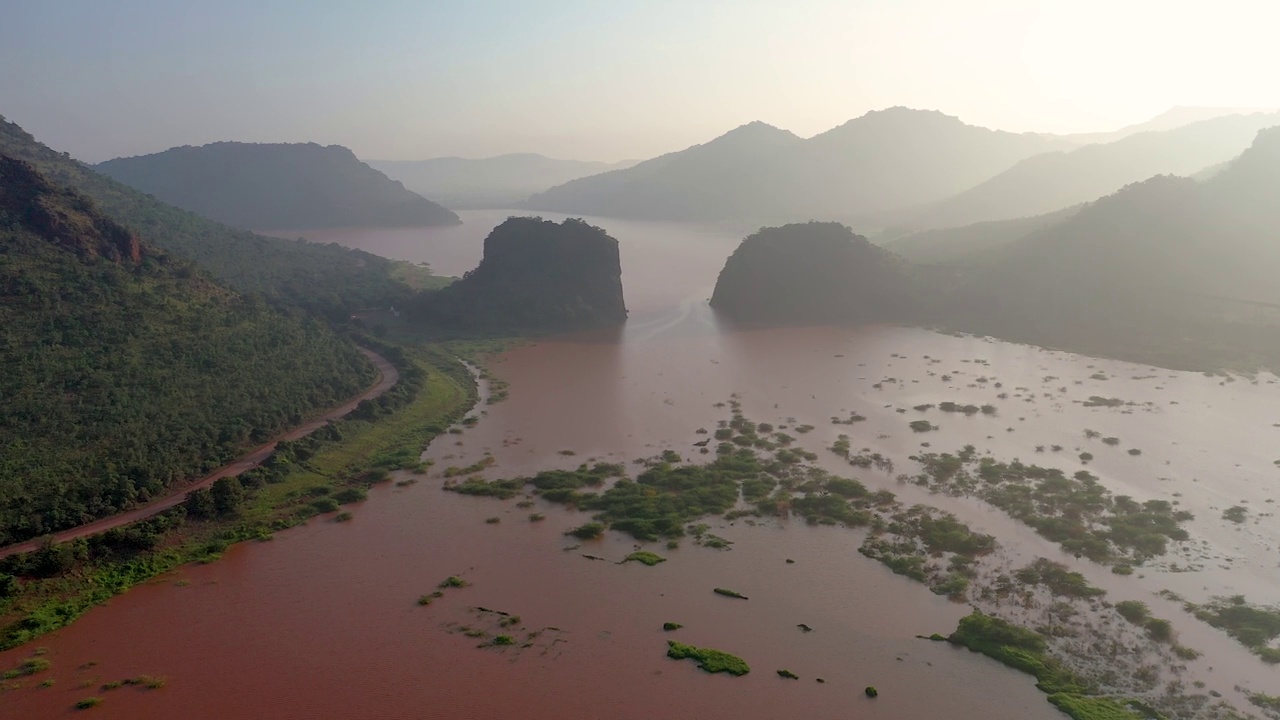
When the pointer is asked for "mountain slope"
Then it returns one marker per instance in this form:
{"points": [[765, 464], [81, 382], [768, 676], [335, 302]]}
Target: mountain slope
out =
{"points": [[882, 160], [496, 182], [1052, 181], [726, 178], [126, 370], [1167, 270], [270, 186], [327, 279], [969, 242]]}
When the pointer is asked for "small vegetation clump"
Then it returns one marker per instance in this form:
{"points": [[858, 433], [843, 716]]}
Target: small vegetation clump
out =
{"points": [[871, 691], [27, 667], [671, 627], [453, 581], [646, 557], [1098, 401], [922, 426], [587, 531], [712, 661], [729, 593], [1060, 581], [501, 489], [89, 702], [788, 675], [1236, 514]]}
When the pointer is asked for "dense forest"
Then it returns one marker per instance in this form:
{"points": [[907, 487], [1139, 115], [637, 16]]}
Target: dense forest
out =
{"points": [[126, 369], [535, 276], [327, 279], [258, 186]]}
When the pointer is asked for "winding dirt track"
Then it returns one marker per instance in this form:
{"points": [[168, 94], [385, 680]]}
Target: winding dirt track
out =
{"points": [[387, 377]]}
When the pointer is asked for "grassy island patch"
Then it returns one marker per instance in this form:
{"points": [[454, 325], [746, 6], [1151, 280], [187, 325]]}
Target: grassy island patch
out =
{"points": [[1253, 626], [646, 557], [713, 661], [1026, 650]]}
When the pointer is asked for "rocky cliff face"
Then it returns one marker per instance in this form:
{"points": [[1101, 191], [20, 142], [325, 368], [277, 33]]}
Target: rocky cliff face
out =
{"points": [[33, 203], [536, 276], [812, 272]]}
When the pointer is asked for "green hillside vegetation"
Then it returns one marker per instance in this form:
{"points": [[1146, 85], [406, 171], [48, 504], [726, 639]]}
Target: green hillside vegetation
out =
{"points": [[126, 370], [535, 276], [327, 279], [267, 186]]}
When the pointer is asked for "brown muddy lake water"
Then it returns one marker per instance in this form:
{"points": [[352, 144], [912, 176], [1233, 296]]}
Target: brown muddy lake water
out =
{"points": [[322, 622]]}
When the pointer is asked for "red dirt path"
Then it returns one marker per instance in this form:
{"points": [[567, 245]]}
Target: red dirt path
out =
{"points": [[387, 377]]}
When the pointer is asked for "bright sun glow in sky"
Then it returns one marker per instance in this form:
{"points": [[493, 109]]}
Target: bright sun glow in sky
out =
{"points": [[606, 79]]}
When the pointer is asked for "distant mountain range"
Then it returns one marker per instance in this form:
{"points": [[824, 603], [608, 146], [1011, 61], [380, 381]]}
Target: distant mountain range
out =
{"points": [[1219, 237], [277, 186], [1051, 181], [885, 159], [1172, 118], [503, 181], [1170, 271]]}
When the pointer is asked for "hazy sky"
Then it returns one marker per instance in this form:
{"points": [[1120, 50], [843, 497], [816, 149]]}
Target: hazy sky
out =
{"points": [[606, 79]]}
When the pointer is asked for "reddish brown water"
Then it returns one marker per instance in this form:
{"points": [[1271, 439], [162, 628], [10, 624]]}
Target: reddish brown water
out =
{"points": [[322, 622]]}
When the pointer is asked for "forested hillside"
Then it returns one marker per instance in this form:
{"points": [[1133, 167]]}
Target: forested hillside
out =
{"points": [[125, 369], [327, 279], [277, 185]]}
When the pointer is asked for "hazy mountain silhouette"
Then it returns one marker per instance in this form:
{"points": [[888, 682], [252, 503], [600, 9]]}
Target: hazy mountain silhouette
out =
{"points": [[885, 159], [1164, 269], [967, 243], [1052, 181], [729, 177], [1168, 271], [1175, 117], [503, 181], [273, 186]]}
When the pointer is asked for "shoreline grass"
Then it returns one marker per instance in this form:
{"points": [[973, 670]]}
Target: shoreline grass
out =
{"points": [[363, 453]]}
